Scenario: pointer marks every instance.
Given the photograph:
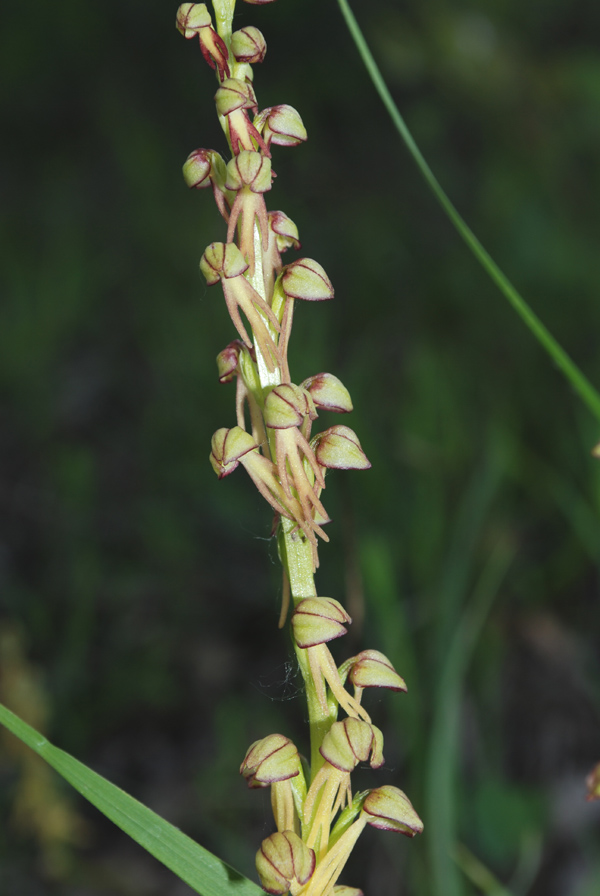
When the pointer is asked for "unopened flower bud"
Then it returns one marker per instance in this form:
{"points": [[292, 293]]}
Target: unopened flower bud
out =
{"points": [[287, 405], [191, 17], [272, 759], [286, 232], [281, 125], [227, 447], [249, 169], [234, 94], [328, 393], [306, 279], [197, 168], [371, 669], [248, 45], [352, 741], [282, 859], [222, 260], [338, 448], [228, 360], [389, 809], [203, 166], [317, 620]]}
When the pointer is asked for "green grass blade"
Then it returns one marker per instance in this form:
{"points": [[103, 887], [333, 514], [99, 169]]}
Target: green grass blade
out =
{"points": [[573, 374], [445, 733], [200, 869], [477, 872]]}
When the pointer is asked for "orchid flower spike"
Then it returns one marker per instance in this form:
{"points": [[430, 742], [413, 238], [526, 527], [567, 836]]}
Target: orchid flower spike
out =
{"points": [[318, 820]]}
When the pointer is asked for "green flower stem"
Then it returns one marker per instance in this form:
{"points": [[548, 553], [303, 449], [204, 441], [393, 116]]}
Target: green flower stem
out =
{"points": [[224, 10], [297, 561], [296, 551], [586, 391]]}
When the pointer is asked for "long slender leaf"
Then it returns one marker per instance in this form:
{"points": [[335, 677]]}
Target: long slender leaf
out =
{"points": [[204, 872], [571, 371]]}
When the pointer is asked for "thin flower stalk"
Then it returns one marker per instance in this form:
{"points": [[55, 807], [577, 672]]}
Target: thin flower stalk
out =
{"points": [[318, 819]]}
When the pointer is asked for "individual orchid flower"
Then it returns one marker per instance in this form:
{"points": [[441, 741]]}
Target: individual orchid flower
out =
{"points": [[233, 99], [337, 448], [274, 762], [194, 18], [225, 262], [370, 669], [328, 393], [284, 863], [315, 621], [249, 176], [345, 745], [237, 361], [280, 125], [231, 447], [248, 45], [304, 279], [386, 808], [285, 409], [389, 809], [204, 167]]}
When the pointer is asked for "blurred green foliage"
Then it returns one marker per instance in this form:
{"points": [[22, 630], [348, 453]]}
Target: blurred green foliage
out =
{"points": [[147, 589]]}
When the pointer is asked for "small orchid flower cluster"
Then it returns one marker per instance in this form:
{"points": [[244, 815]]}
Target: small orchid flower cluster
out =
{"points": [[318, 819]]}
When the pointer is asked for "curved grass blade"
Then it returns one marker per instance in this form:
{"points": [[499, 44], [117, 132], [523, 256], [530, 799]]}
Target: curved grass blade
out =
{"points": [[588, 394], [200, 869]]}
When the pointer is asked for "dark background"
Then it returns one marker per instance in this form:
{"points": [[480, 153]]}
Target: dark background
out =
{"points": [[139, 595]]}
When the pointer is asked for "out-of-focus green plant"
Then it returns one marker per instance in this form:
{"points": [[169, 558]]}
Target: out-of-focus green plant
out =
{"points": [[318, 819], [448, 535], [40, 809]]}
